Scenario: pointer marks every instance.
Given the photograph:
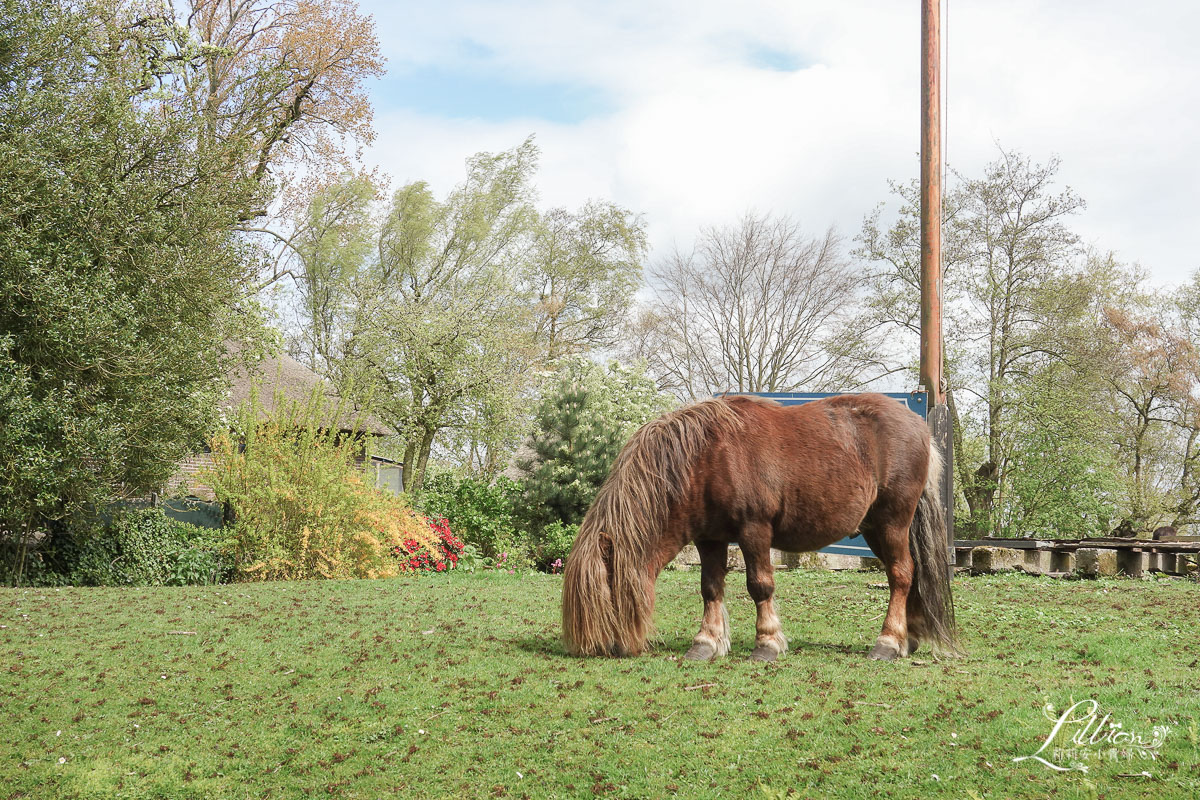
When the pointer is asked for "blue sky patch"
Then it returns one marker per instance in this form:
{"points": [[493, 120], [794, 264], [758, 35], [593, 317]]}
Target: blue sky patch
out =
{"points": [[773, 59], [480, 94]]}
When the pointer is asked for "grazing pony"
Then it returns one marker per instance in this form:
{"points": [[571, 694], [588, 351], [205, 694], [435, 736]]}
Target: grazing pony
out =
{"points": [[748, 470]]}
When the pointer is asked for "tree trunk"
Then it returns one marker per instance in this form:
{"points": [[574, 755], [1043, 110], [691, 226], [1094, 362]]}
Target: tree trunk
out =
{"points": [[984, 491], [1186, 507], [23, 553], [978, 507], [963, 474], [423, 458], [410, 453]]}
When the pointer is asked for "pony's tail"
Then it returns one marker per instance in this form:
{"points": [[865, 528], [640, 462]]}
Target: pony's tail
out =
{"points": [[931, 573]]}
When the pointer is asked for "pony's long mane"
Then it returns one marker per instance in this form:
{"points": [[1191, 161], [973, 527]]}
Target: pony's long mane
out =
{"points": [[608, 597]]}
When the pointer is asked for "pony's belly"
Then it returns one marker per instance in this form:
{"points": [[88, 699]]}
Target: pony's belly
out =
{"points": [[804, 541]]}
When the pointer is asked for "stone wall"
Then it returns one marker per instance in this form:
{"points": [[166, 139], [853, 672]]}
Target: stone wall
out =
{"points": [[1087, 562]]}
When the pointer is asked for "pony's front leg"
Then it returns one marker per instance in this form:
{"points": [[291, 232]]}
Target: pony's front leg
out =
{"points": [[713, 639], [769, 641]]}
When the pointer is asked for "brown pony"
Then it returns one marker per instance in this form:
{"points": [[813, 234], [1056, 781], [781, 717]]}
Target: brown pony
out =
{"points": [[747, 470]]}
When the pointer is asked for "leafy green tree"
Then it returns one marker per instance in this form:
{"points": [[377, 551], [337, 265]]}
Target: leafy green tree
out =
{"points": [[138, 144], [1021, 298], [450, 314], [332, 245], [1065, 479], [438, 329], [580, 427], [121, 273]]}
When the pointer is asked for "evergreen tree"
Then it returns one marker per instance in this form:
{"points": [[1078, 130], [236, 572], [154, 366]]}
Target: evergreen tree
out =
{"points": [[579, 430], [572, 455]]}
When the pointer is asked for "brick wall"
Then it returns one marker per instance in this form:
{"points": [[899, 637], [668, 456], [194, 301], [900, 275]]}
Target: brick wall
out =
{"points": [[187, 478]]}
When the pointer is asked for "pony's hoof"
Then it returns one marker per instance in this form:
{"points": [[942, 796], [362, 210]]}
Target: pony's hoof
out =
{"points": [[884, 652], [701, 651], [911, 645], [764, 653]]}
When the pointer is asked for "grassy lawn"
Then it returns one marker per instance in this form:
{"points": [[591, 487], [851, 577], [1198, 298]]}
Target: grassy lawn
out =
{"points": [[457, 685]]}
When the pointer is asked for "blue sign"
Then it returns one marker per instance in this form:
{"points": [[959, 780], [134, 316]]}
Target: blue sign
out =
{"points": [[916, 402]]}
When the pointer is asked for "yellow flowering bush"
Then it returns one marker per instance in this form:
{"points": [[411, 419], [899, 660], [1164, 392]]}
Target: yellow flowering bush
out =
{"points": [[301, 506]]}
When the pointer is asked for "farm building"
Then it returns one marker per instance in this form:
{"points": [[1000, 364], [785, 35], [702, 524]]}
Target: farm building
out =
{"points": [[281, 379]]}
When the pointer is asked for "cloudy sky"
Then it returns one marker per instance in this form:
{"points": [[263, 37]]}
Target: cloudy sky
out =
{"points": [[693, 112]]}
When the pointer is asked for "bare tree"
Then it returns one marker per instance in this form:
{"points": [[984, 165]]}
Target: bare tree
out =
{"points": [[754, 308]]}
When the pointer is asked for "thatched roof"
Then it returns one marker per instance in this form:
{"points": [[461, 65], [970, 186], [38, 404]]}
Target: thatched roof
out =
{"points": [[281, 377]]}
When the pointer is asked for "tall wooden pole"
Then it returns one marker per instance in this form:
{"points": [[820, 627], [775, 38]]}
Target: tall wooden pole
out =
{"points": [[931, 255], [931, 202]]}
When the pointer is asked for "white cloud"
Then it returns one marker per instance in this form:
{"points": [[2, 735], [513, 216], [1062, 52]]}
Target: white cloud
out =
{"points": [[695, 134]]}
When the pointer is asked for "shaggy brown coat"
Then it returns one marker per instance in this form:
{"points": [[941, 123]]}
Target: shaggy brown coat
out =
{"points": [[749, 471]]}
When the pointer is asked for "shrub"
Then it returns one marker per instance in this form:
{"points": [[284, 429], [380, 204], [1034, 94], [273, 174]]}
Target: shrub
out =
{"points": [[133, 548], [144, 541], [553, 543], [470, 559], [200, 566], [412, 557], [483, 513], [52, 561], [302, 508]]}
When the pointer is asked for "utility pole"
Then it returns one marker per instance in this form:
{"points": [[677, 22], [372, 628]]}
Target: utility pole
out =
{"points": [[931, 251], [931, 202]]}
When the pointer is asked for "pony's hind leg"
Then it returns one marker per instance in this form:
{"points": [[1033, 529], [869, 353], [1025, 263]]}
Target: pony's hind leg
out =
{"points": [[769, 641], [891, 545], [917, 626], [713, 639]]}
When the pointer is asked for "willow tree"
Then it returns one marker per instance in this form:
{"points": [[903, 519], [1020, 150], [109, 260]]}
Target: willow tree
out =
{"points": [[461, 303], [438, 331], [331, 244]]}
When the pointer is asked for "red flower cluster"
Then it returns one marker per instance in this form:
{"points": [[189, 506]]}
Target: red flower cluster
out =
{"points": [[415, 558]]}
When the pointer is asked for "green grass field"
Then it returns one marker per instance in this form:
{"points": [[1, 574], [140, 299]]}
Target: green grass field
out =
{"points": [[458, 686]]}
